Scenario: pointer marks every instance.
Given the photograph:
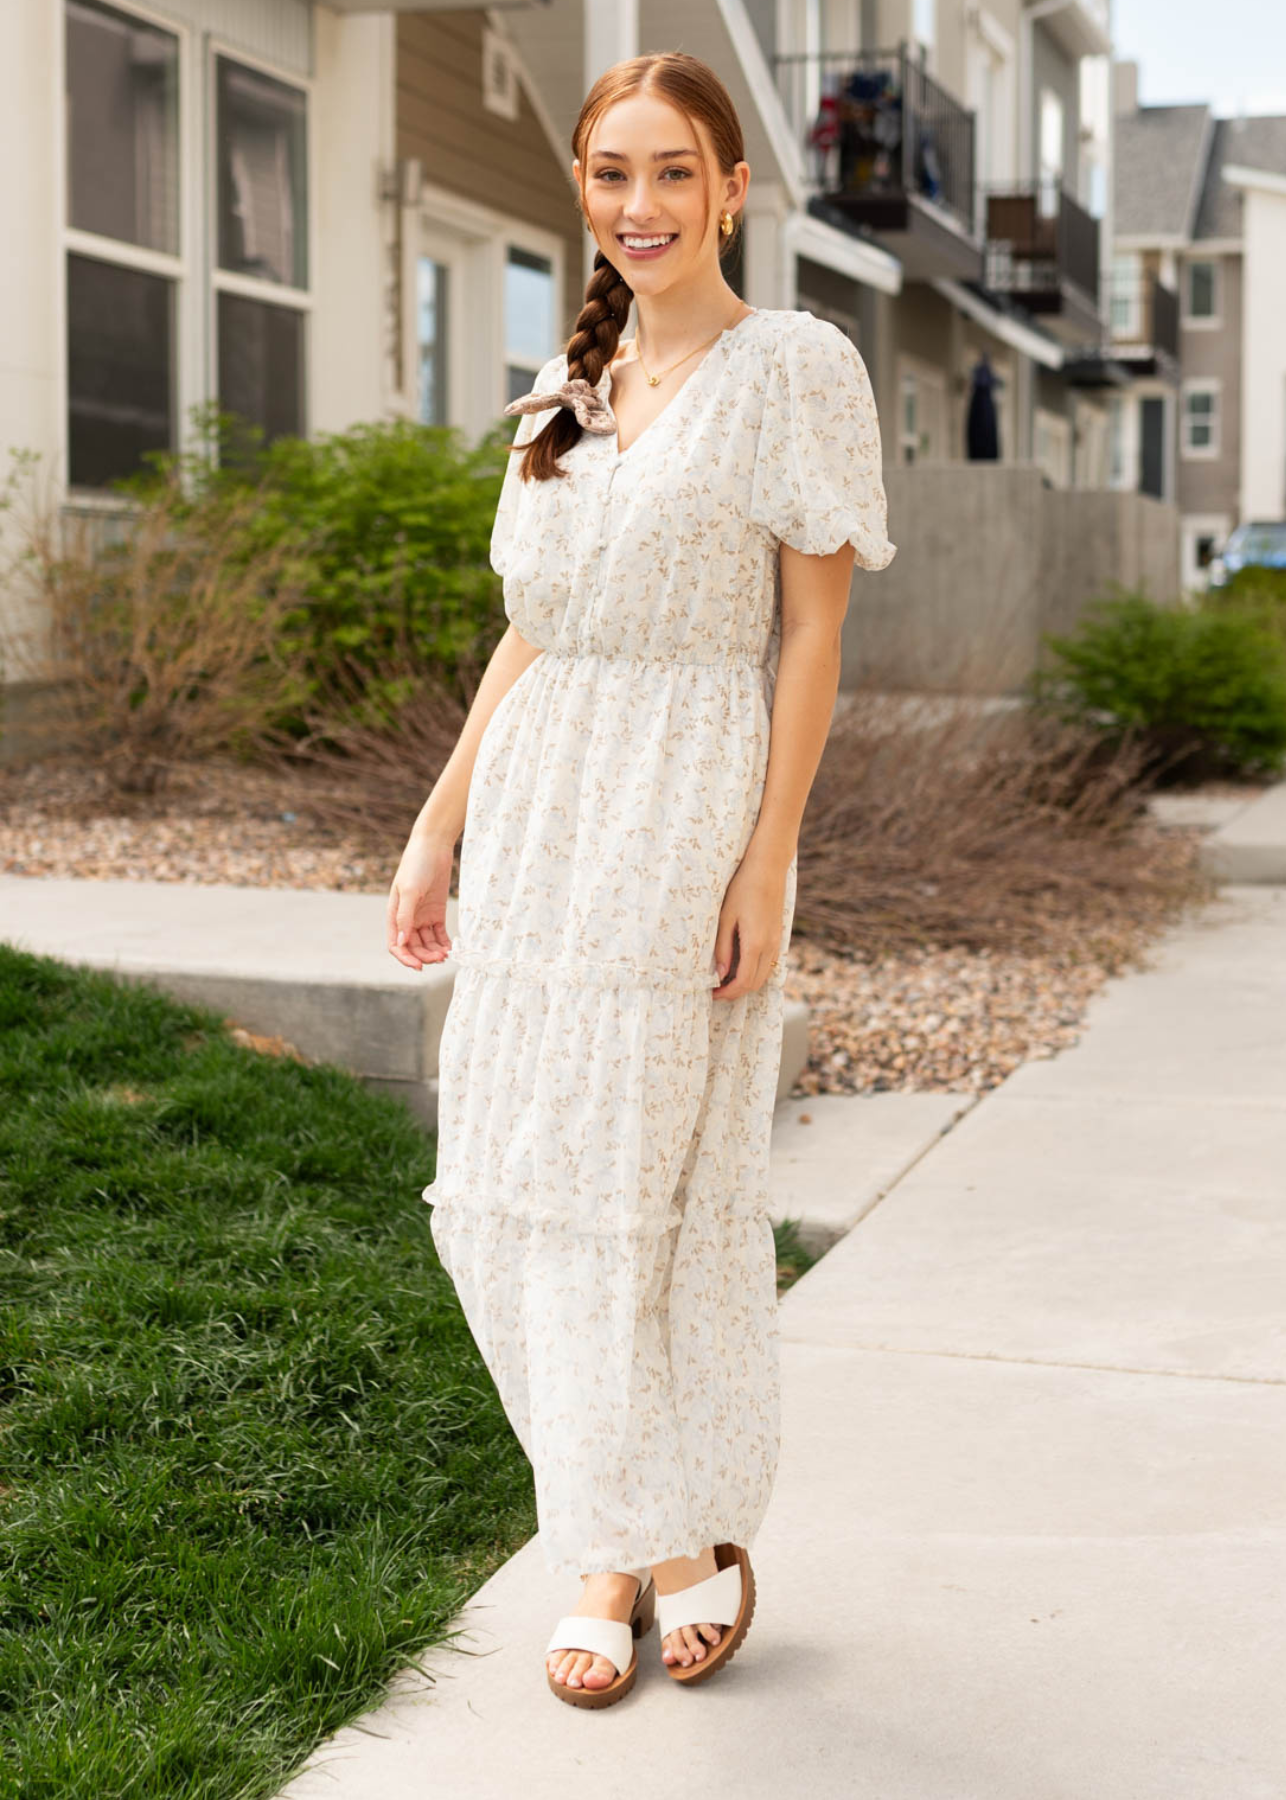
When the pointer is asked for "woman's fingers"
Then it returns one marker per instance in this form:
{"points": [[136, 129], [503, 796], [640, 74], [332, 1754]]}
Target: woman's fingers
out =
{"points": [[753, 969]]}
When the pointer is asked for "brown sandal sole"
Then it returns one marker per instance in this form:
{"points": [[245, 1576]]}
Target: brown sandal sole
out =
{"points": [[641, 1620], [730, 1640]]}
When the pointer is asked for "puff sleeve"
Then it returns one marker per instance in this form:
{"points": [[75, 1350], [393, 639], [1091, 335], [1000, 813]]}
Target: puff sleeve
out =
{"points": [[818, 480], [511, 488]]}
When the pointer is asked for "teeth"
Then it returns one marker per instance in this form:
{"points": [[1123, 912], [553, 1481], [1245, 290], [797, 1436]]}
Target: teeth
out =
{"points": [[646, 243]]}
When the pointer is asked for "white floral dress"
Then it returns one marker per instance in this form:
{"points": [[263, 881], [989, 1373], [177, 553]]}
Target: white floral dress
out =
{"points": [[601, 1199]]}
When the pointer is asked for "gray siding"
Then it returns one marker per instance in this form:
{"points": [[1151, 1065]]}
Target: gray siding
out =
{"points": [[1215, 486]]}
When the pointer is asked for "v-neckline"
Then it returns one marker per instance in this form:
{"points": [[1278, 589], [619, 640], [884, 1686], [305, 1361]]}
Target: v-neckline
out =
{"points": [[606, 377]]}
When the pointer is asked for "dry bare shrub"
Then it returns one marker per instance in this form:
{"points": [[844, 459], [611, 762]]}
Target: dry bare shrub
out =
{"points": [[155, 642], [376, 740], [933, 823]]}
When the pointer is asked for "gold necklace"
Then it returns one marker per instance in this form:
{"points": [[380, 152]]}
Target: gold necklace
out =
{"points": [[655, 380]]}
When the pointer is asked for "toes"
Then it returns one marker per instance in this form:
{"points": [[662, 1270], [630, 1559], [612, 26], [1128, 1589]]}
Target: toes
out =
{"points": [[686, 1644], [601, 1673]]}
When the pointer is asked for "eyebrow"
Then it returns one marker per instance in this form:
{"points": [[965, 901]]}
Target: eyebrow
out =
{"points": [[657, 155]]}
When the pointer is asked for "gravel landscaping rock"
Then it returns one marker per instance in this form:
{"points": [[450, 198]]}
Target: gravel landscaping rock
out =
{"points": [[936, 1020]]}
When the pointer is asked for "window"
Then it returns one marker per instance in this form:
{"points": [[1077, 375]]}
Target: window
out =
{"points": [[1127, 295], [263, 253], [1116, 441], [1201, 419], [261, 364], [529, 317], [1202, 299], [122, 216], [924, 23], [432, 286], [1051, 151]]}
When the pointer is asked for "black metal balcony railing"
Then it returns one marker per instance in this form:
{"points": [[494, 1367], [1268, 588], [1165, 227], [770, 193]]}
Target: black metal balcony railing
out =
{"points": [[1037, 237], [877, 125], [1144, 311]]}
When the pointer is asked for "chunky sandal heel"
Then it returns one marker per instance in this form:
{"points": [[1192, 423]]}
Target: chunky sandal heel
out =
{"points": [[612, 1638], [726, 1598]]}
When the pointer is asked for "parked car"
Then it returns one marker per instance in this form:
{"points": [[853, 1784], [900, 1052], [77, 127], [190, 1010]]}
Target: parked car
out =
{"points": [[1260, 543]]}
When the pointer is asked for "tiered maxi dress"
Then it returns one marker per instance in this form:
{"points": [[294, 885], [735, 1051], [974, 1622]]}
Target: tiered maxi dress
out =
{"points": [[601, 1197]]}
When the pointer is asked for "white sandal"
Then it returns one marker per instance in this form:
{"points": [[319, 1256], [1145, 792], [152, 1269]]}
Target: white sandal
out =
{"points": [[726, 1598], [612, 1638]]}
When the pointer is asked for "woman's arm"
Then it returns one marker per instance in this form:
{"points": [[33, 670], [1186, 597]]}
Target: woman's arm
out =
{"points": [[814, 600], [418, 896], [443, 813]]}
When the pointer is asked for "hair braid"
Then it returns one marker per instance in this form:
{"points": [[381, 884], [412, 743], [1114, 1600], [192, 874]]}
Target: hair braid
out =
{"points": [[592, 345]]}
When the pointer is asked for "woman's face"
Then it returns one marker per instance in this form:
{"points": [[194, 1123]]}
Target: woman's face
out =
{"points": [[643, 179]]}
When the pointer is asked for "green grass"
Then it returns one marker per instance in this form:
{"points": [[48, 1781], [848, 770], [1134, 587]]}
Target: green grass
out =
{"points": [[251, 1461]]}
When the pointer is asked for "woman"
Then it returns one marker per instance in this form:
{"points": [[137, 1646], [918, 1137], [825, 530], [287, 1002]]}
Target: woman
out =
{"points": [[676, 532]]}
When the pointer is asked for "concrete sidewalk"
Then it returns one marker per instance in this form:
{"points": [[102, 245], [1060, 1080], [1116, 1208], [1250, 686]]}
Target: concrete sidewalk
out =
{"points": [[1028, 1537], [300, 963]]}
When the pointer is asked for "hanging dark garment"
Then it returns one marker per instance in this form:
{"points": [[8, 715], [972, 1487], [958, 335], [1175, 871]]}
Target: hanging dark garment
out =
{"points": [[982, 435]]}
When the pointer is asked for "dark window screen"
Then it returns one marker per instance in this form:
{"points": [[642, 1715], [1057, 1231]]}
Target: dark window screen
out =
{"points": [[120, 369], [261, 364]]}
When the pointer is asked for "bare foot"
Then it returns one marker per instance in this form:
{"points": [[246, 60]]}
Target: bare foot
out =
{"points": [[602, 1597], [686, 1644]]}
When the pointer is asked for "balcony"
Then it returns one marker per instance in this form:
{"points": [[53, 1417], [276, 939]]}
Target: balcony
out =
{"points": [[1144, 320], [889, 151], [1042, 250], [1082, 27], [1142, 339]]}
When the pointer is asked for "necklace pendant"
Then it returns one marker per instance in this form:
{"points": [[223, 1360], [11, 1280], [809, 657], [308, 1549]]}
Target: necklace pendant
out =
{"points": [[654, 380]]}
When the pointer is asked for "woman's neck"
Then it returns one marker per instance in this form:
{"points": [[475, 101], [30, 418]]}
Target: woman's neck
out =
{"points": [[670, 323]]}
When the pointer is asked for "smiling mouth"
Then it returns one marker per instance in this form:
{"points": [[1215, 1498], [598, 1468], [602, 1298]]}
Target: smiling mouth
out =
{"points": [[643, 243]]}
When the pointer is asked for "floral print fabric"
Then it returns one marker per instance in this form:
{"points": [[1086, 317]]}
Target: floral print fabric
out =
{"points": [[601, 1197]]}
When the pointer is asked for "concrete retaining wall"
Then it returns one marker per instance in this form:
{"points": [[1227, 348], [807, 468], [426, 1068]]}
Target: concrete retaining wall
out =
{"points": [[989, 557]]}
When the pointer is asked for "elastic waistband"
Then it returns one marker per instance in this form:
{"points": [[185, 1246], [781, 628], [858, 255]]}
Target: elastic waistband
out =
{"points": [[675, 662]]}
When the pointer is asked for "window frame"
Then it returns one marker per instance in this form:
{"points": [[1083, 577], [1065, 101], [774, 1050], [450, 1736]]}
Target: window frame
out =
{"points": [[512, 241], [1201, 384], [257, 287], [1214, 318], [177, 267], [474, 240], [193, 269]]}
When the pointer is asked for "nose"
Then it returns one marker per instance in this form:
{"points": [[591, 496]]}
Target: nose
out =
{"points": [[641, 204]]}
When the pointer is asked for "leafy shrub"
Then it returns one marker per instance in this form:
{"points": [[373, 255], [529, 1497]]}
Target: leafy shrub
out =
{"points": [[396, 518], [1204, 689], [1258, 593]]}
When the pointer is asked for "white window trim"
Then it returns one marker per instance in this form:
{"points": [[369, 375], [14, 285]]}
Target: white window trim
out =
{"points": [[1193, 526], [1201, 384], [1200, 321], [255, 287], [930, 384], [1131, 332], [179, 267], [476, 354], [1057, 433]]}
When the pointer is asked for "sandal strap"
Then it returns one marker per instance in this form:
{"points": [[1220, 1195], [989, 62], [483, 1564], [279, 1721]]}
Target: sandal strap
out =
{"points": [[714, 1601], [603, 1637]]}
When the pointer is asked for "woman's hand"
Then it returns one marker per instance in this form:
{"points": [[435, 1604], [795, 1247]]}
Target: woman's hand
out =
{"points": [[417, 902], [750, 923]]}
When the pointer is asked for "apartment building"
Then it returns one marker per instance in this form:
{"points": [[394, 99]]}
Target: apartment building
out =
{"points": [[1199, 269]]}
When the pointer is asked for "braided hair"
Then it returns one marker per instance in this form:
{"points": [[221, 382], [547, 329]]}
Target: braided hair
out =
{"points": [[696, 91]]}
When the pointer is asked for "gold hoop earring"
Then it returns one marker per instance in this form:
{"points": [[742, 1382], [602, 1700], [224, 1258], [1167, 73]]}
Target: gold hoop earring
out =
{"points": [[725, 224]]}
